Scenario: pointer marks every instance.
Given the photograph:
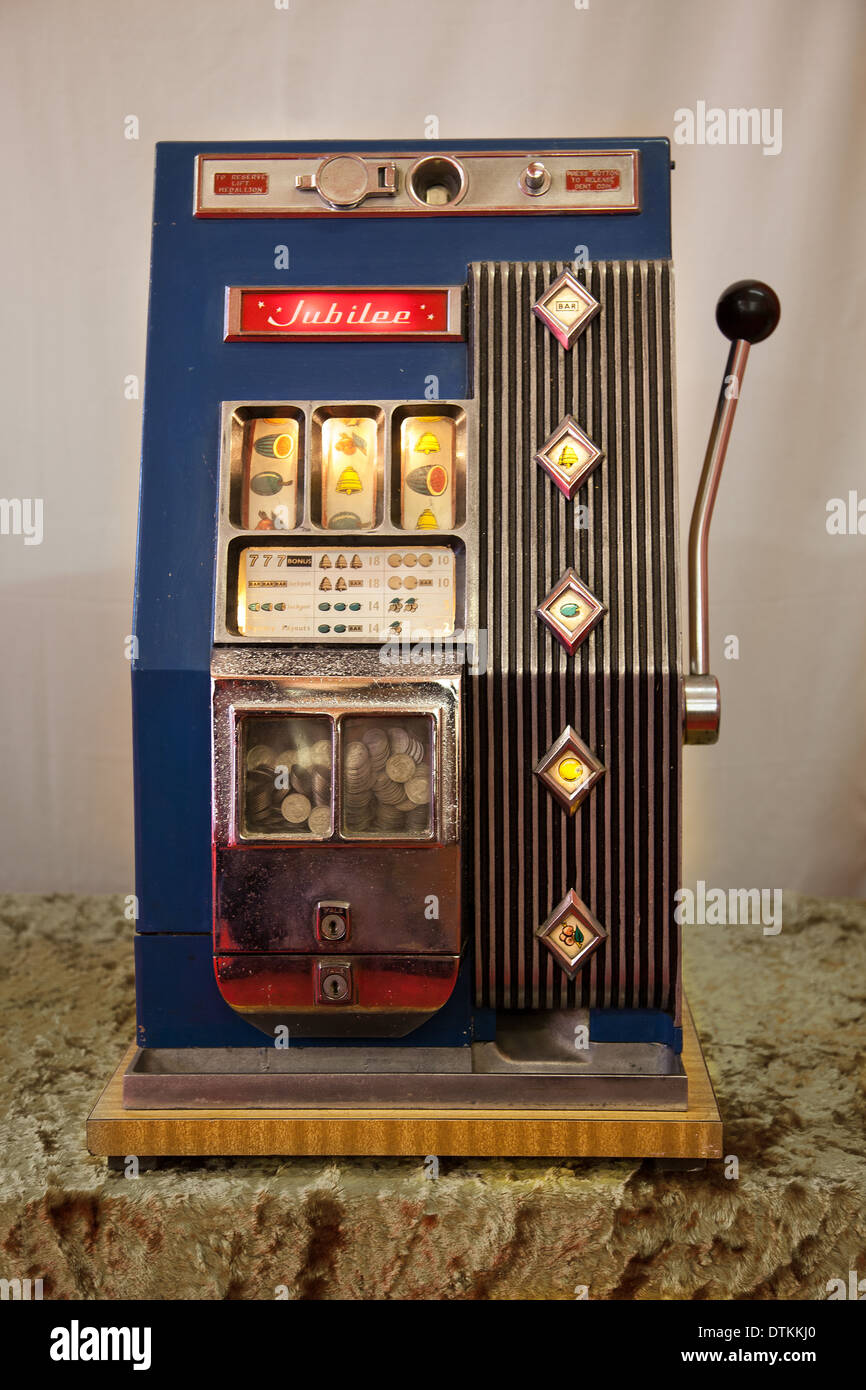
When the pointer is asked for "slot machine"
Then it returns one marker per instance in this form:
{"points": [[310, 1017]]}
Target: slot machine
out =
{"points": [[409, 701]]}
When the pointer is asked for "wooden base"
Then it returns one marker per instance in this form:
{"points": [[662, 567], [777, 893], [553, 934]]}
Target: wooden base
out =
{"points": [[695, 1133]]}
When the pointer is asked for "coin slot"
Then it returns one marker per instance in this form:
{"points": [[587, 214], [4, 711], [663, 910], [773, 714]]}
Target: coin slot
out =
{"points": [[286, 777], [347, 467], [386, 776], [437, 181]]}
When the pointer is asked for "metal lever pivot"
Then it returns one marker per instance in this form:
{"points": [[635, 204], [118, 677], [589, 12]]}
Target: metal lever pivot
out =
{"points": [[747, 312], [344, 180]]}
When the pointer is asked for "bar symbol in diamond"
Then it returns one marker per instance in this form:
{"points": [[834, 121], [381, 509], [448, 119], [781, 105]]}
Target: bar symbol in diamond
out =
{"points": [[569, 769], [571, 933], [569, 456], [570, 611], [566, 308]]}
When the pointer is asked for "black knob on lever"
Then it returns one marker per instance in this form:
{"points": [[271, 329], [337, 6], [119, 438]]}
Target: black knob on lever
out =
{"points": [[748, 311]]}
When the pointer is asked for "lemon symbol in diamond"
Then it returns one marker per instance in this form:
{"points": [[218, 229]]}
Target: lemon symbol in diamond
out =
{"points": [[569, 610], [570, 770]]}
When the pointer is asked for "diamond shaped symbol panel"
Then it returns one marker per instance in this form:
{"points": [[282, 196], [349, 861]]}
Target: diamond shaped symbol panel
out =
{"points": [[570, 611], [571, 934], [566, 308], [569, 769], [569, 456]]}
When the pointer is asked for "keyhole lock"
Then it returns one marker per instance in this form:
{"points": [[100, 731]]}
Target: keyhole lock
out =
{"points": [[332, 921], [333, 927], [335, 984]]}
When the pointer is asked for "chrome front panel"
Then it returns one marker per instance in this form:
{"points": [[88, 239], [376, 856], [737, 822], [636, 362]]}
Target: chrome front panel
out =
{"points": [[397, 962]]}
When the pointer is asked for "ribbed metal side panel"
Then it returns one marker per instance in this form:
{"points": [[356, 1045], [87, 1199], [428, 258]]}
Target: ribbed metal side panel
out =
{"points": [[620, 691]]}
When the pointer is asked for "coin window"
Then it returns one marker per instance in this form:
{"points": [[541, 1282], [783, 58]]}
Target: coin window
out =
{"points": [[386, 776], [286, 777]]}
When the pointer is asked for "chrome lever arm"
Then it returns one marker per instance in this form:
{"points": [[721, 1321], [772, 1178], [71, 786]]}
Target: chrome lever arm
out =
{"points": [[747, 313]]}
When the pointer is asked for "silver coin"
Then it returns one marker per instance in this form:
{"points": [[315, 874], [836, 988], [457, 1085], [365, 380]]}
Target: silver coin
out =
{"points": [[296, 808], [418, 790], [320, 820], [259, 756], [374, 736], [400, 767], [398, 738], [377, 742], [322, 751]]}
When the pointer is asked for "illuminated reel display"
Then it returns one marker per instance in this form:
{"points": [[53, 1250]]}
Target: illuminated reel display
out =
{"points": [[350, 473], [270, 493], [346, 467], [427, 454]]}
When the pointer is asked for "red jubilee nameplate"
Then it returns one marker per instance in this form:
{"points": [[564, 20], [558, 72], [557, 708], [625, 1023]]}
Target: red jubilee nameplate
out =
{"points": [[341, 314]]}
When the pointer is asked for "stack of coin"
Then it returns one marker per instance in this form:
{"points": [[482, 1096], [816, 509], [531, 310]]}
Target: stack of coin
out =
{"points": [[320, 783], [288, 786], [259, 798], [358, 777], [378, 747], [302, 780], [387, 785]]}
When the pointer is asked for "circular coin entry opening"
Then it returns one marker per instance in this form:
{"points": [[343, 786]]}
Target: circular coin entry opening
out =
{"points": [[437, 181]]}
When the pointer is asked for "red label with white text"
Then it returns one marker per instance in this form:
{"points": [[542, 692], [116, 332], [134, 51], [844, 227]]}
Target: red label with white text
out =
{"points": [[592, 180], [236, 184]]}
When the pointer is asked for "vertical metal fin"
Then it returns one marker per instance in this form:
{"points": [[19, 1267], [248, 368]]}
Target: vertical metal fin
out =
{"points": [[620, 691]]}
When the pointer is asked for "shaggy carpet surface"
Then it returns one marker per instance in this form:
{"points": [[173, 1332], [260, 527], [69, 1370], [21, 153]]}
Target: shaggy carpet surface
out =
{"points": [[783, 1023]]}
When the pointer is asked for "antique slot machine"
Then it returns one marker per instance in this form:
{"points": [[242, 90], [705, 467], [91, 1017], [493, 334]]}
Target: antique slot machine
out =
{"points": [[409, 701]]}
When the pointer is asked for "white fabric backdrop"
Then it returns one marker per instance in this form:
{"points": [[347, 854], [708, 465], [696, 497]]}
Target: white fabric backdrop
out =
{"points": [[781, 801]]}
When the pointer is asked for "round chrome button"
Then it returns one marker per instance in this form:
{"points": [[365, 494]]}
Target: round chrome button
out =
{"points": [[342, 180], [535, 179]]}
